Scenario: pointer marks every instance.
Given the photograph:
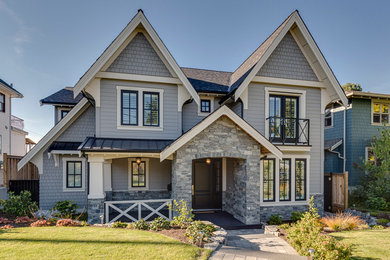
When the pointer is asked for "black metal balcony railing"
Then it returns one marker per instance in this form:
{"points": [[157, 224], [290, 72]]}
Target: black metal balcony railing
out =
{"points": [[289, 131]]}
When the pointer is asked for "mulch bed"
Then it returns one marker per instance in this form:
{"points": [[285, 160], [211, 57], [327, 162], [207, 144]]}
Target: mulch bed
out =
{"points": [[175, 233], [12, 220]]}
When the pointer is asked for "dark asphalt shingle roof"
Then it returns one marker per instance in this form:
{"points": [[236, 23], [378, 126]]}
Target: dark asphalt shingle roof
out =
{"points": [[62, 97], [10, 86], [123, 145], [209, 81], [64, 146]]}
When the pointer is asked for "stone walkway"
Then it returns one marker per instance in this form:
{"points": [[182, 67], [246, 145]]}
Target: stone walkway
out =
{"points": [[252, 244]]}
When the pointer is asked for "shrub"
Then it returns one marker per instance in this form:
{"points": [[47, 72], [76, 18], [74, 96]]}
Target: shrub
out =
{"points": [[306, 234], [66, 208], [296, 215], [374, 213], [184, 215], [377, 203], [159, 224], [382, 221], [199, 232], [84, 223], [119, 224], [284, 226], [23, 220], [341, 222], [4, 221], [275, 220], [19, 205], [40, 223], [6, 227], [67, 223], [141, 225], [378, 227]]}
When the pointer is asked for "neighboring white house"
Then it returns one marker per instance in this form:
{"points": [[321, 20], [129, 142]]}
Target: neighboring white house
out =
{"points": [[8, 133]]}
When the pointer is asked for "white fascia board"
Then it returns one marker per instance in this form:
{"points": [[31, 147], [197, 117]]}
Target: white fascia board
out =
{"points": [[115, 45], [59, 128], [10, 91], [223, 111]]}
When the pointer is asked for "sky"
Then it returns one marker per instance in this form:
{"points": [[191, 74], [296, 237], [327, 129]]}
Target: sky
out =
{"points": [[47, 45]]}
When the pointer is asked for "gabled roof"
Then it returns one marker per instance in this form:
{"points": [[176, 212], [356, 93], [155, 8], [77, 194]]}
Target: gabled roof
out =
{"points": [[222, 111], [361, 94], [62, 97], [138, 20], [9, 88], [208, 81]]}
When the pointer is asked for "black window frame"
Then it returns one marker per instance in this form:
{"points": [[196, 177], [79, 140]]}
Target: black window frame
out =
{"points": [[74, 175], [132, 174], [2, 103], [304, 179], [289, 179], [64, 111], [151, 109], [207, 101], [129, 107], [268, 181]]}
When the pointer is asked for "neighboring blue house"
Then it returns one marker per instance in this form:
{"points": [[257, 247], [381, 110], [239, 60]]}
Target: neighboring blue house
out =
{"points": [[137, 129], [364, 117]]}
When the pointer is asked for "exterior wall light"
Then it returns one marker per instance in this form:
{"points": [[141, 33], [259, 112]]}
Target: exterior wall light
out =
{"points": [[208, 160]]}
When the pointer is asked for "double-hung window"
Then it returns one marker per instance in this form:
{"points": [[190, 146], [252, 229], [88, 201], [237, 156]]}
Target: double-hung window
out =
{"points": [[2, 102], [73, 174], [300, 179], [380, 113], [151, 108], [269, 180], [285, 180], [129, 107]]}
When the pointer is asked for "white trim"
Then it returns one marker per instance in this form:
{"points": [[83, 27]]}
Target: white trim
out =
{"points": [[11, 92], [56, 154], [380, 102], [292, 157], [295, 19], [288, 82], [137, 77], [58, 129], [140, 125], [211, 106], [117, 155], [64, 174], [293, 148], [288, 92], [129, 161], [59, 112], [331, 117], [222, 111], [139, 19]]}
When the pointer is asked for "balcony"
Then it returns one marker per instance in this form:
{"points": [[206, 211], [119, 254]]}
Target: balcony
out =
{"points": [[289, 131]]}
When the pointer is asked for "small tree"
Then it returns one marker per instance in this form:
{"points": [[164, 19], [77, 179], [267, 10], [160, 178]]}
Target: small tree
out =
{"points": [[352, 87]]}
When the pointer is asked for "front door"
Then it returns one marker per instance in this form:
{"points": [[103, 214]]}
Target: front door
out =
{"points": [[207, 184]]}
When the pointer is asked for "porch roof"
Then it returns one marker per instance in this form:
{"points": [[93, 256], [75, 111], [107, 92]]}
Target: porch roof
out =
{"points": [[94, 144], [64, 146]]}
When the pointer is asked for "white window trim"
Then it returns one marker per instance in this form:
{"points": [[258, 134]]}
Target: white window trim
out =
{"points": [[83, 179], [140, 125], [277, 202], [372, 111], [211, 106], [331, 117], [59, 111], [146, 160], [288, 92]]}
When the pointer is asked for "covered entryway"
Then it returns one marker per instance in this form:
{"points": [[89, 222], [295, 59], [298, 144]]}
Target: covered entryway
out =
{"points": [[207, 184]]}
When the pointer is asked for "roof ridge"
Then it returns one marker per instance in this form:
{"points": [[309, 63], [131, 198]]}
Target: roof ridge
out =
{"points": [[206, 69]]}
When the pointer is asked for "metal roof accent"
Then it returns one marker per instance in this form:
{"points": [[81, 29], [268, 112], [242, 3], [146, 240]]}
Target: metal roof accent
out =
{"points": [[64, 146]]}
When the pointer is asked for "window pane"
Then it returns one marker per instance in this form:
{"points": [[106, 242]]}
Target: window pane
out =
{"points": [[151, 109], [385, 109], [284, 180], [376, 118], [2, 98], [147, 101], [129, 107], [155, 102], [268, 179], [70, 181], [133, 100], [70, 168], [77, 169], [154, 120], [385, 118], [147, 117], [77, 181], [133, 117], [300, 179], [377, 108]]}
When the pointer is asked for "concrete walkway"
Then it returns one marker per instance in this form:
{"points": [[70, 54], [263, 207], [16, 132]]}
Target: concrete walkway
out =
{"points": [[252, 244]]}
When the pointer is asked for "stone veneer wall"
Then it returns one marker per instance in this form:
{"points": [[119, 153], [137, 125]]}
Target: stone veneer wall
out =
{"points": [[137, 195], [222, 139], [285, 211], [95, 210]]}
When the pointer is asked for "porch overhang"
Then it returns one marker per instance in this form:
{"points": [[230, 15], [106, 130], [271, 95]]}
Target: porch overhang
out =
{"points": [[266, 145]]}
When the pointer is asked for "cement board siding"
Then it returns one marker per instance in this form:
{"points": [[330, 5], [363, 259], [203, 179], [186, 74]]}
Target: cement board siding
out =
{"points": [[255, 115], [159, 174], [139, 57], [190, 114], [287, 61], [108, 112]]}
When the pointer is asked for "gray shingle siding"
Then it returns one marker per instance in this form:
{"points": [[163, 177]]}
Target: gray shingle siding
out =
{"points": [[287, 61], [139, 57], [108, 112]]}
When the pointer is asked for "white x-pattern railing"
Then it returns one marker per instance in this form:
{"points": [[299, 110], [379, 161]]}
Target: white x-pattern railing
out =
{"points": [[133, 205]]}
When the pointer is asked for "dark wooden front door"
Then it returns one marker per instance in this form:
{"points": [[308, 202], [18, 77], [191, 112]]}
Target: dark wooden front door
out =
{"points": [[207, 184]]}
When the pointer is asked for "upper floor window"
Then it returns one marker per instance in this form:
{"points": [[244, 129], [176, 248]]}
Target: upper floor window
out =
{"points": [[2, 102], [380, 113], [64, 113], [205, 105], [151, 109], [328, 116], [129, 109]]}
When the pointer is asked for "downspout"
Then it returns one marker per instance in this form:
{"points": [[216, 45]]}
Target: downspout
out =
{"points": [[344, 136]]}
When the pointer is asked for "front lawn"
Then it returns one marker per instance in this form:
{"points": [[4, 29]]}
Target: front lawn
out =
{"points": [[367, 244], [93, 243]]}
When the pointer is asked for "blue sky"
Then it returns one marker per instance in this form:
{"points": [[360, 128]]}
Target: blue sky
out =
{"points": [[47, 45]]}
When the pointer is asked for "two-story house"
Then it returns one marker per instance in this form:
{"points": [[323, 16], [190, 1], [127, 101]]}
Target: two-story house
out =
{"points": [[136, 126], [365, 116], [7, 131]]}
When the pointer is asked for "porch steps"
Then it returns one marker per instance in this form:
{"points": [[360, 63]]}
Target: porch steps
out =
{"points": [[237, 253]]}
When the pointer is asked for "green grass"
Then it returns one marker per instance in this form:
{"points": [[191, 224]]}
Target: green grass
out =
{"points": [[93, 243], [367, 244]]}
